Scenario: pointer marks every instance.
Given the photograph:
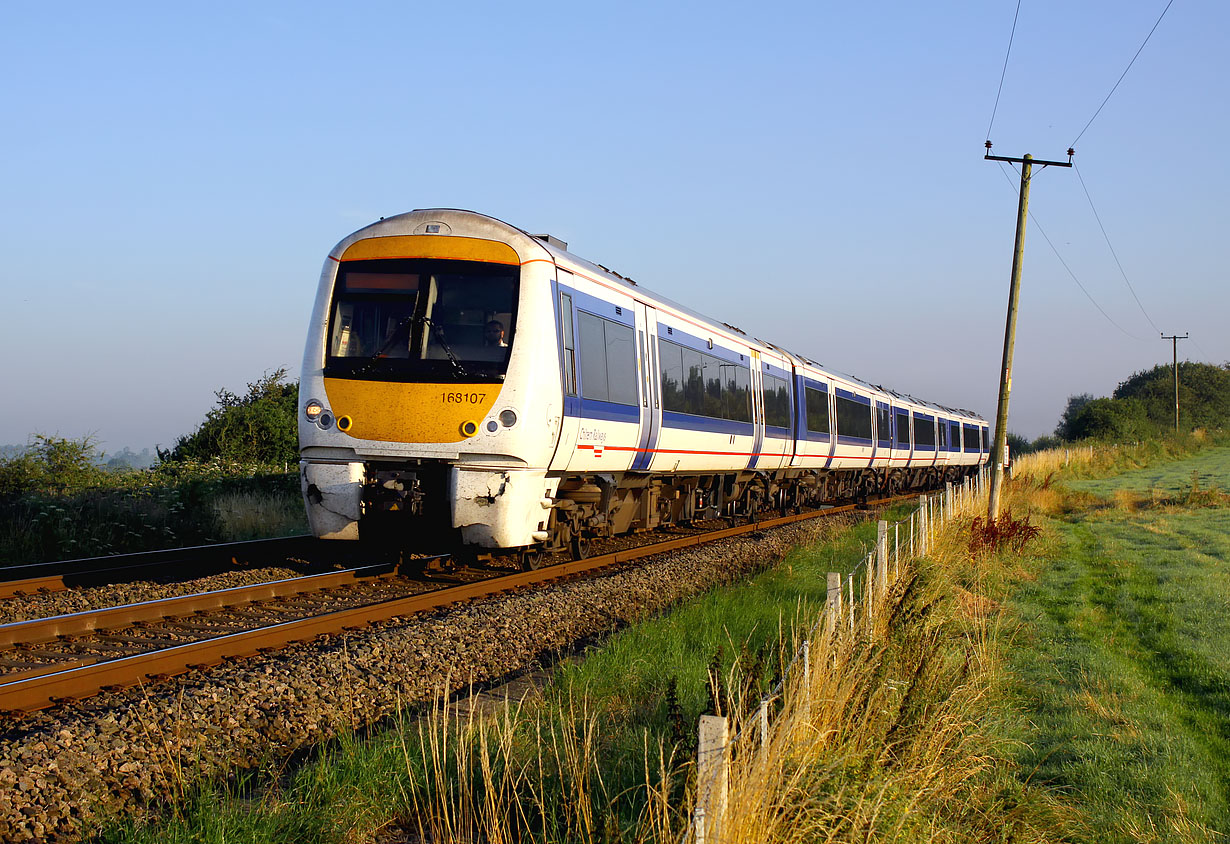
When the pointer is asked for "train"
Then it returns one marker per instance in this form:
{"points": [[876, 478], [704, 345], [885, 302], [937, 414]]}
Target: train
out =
{"points": [[466, 380]]}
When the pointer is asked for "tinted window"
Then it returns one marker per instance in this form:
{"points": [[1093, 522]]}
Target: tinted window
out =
{"points": [[776, 401], [903, 429], [924, 432], [943, 439], [853, 418], [817, 411], [422, 320], [704, 385], [884, 426], [570, 354], [608, 360], [971, 438]]}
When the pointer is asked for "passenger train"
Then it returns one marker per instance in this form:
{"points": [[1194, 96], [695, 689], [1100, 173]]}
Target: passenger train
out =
{"points": [[464, 378]]}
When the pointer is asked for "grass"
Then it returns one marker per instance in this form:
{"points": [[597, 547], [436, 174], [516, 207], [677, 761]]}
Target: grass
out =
{"points": [[1076, 689], [170, 506], [1121, 665], [884, 744]]}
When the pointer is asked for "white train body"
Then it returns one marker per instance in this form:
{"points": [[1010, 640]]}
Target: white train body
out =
{"points": [[602, 408]]}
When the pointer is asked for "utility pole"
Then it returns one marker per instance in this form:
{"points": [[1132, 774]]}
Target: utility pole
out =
{"points": [[1005, 373], [1174, 344]]}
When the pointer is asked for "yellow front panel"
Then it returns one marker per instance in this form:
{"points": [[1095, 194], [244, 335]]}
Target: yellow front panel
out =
{"points": [[409, 413], [431, 246]]}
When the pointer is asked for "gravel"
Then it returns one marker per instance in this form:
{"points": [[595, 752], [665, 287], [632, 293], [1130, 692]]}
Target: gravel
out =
{"points": [[63, 770], [45, 605]]}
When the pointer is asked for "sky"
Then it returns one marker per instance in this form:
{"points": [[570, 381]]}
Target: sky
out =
{"points": [[174, 175]]}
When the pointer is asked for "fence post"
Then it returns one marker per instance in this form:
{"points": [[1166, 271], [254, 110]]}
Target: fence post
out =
{"points": [[764, 725], [896, 550], [832, 606], [712, 778], [806, 670], [882, 555], [869, 590], [922, 525], [949, 496], [911, 536], [850, 584]]}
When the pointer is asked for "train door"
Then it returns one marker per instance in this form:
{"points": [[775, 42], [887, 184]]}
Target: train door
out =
{"points": [[570, 422], [651, 385], [756, 408]]}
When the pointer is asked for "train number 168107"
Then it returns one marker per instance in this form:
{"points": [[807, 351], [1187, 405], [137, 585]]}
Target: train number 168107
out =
{"points": [[463, 398]]}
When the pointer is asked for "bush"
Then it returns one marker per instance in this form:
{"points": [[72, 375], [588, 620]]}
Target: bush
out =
{"points": [[1204, 394], [1118, 420], [259, 427], [51, 464]]}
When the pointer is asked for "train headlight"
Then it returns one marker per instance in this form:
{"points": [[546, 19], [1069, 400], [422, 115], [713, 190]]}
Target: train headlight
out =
{"points": [[493, 426], [508, 418], [469, 428], [312, 410], [325, 420]]}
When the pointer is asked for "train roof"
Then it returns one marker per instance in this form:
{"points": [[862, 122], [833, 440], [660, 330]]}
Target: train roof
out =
{"points": [[558, 249]]}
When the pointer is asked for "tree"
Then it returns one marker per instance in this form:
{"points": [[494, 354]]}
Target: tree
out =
{"points": [[51, 463], [1112, 419], [260, 426], [1064, 429], [1204, 394], [1017, 445]]}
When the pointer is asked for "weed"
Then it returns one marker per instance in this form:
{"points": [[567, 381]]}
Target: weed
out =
{"points": [[1005, 533]]}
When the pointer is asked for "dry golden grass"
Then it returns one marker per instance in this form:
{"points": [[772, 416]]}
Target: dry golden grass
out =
{"points": [[878, 737], [252, 515]]}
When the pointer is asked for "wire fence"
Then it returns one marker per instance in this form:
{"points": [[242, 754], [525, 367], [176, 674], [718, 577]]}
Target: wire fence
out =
{"points": [[842, 617]]}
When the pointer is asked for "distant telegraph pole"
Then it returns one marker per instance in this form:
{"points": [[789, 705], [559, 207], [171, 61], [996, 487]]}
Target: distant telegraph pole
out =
{"points": [[1174, 344], [1005, 374]]}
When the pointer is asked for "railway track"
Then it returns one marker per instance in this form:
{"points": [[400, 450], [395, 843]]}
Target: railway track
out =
{"points": [[44, 662], [184, 563]]}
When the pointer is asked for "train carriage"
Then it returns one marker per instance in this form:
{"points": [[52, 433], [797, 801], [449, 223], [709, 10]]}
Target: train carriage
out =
{"points": [[466, 380]]}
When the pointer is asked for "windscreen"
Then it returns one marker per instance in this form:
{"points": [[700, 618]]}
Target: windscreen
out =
{"points": [[422, 320]]}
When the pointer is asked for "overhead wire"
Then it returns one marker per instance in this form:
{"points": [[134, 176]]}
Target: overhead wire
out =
{"points": [[1125, 72], [1110, 246], [1004, 72], [1088, 295]]}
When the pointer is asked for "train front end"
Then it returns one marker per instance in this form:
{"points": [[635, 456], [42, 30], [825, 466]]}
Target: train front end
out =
{"points": [[430, 399]]}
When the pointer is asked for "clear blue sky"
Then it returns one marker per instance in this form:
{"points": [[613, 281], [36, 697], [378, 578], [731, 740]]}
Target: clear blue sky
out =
{"points": [[174, 175]]}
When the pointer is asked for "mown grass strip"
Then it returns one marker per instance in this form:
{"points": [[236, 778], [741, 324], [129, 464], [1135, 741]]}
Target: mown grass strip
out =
{"points": [[1121, 664]]}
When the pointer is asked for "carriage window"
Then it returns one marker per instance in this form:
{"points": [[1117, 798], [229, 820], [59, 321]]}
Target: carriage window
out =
{"points": [[903, 429], [570, 353], [884, 425], [776, 401], [703, 385], [608, 360], [971, 438], [924, 432], [943, 435], [853, 418], [817, 411]]}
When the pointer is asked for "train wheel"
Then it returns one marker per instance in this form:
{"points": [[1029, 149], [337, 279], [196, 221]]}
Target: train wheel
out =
{"points": [[580, 546], [532, 557]]}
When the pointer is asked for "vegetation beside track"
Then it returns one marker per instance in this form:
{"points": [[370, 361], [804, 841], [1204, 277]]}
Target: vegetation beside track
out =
{"points": [[234, 478], [1073, 692], [607, 753], [1120, 666]]}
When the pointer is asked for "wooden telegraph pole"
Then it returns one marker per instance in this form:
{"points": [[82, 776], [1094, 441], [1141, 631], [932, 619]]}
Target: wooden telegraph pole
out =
{"points": [[1174, 343], [1005, 373]]}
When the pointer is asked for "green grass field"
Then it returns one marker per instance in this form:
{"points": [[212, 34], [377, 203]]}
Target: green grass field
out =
{"points": [[1121, 661]]}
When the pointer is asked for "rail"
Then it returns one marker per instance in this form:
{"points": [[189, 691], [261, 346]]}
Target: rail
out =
{"points": [[41, 689]]}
